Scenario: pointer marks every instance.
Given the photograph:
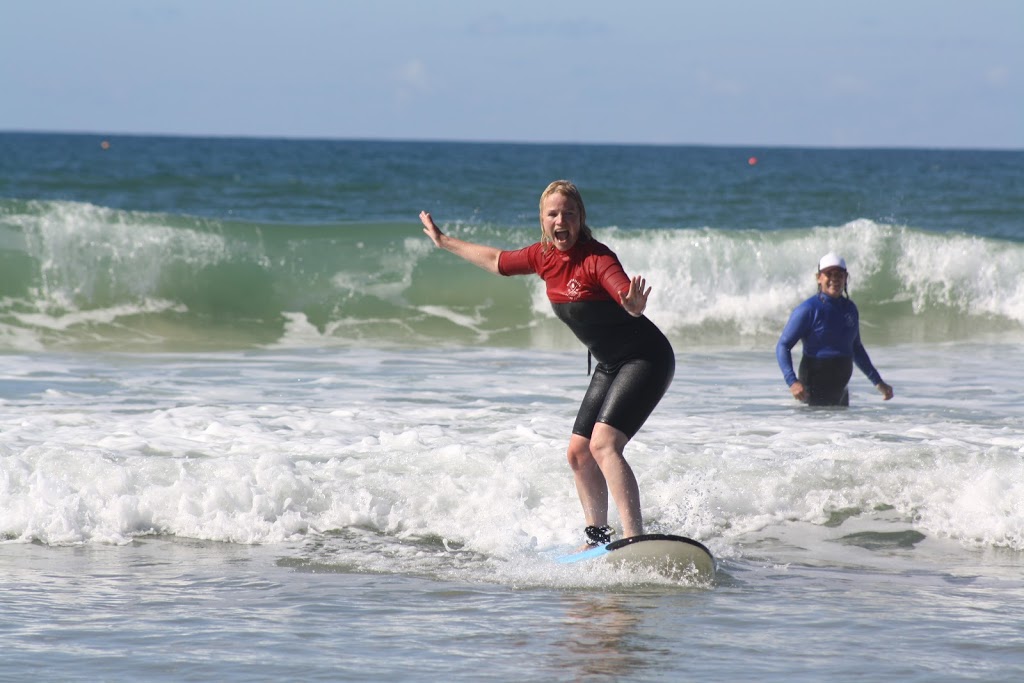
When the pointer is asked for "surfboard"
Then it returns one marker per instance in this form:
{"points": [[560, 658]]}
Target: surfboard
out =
{"points": [[665, 553]]}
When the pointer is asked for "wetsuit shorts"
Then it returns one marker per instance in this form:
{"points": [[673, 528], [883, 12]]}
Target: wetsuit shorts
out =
{"points": [[825, 379], [625, 395]]}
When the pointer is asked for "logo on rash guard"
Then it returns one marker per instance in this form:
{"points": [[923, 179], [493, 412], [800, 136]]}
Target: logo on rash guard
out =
{"points": [[573, 290]]}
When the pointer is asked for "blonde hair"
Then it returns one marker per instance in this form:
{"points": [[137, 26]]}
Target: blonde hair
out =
{"points": [[567, 189]]}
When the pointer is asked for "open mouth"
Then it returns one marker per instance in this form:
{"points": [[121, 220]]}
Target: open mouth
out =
{"points": [[561, 234]]}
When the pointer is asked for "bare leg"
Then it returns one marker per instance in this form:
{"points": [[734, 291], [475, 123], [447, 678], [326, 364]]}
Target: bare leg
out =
{"points": [[606, 446], [590, 483]]}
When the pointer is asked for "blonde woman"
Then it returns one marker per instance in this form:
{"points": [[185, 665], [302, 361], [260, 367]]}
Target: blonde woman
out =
{"points": [[590, 292]]}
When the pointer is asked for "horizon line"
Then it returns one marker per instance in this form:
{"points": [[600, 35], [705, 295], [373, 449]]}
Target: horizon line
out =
{"points": [[497, 141]]}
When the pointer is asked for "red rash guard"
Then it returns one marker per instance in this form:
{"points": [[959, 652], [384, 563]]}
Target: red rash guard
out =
{"points": [[635, 360], [589, 271], [583, 286]]}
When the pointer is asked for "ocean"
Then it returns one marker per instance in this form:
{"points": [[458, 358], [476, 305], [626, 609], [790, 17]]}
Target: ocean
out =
{"points": [[254, 426]]}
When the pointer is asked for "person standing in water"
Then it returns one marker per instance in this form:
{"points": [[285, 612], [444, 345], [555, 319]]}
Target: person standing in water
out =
{"points": [[828, 324], [590, 292]]}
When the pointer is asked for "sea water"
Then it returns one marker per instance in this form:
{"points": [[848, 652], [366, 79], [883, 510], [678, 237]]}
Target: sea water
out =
{"points": [[253, 426]]}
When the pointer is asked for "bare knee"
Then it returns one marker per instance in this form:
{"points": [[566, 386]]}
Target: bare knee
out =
{"points": [[579, 454], [607, 443], [603, 451]]}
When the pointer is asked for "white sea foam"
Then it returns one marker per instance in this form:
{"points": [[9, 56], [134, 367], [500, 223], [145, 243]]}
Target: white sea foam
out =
{"points": [[468, 446], [753, 279]]}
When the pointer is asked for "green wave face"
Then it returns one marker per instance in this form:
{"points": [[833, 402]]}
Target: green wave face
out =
{"points": [[77, 275]]}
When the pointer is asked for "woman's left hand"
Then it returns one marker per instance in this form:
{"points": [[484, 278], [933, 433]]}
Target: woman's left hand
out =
{"points": [[635, 299], [885, 390]]}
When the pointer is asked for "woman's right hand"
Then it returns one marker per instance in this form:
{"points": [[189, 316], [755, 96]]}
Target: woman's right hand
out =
{"points": [[430, 228], [798, 391], [478, 254]]}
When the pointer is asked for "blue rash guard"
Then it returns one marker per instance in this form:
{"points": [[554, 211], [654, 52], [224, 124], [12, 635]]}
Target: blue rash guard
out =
{"points": [[829, 329]]}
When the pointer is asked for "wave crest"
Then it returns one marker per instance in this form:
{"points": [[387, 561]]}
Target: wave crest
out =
{"points": [[76, 274]]}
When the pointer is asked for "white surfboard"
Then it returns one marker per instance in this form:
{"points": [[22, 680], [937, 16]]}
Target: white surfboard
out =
{"points": [[665, 553]]}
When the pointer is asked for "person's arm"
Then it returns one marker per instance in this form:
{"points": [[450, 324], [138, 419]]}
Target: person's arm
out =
{"points": [[793, 332], [632, 292], [863, 361], [478, 254]]}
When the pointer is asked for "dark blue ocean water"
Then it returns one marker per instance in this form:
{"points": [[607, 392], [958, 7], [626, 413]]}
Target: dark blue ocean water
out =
{"points": [[326, 182]]}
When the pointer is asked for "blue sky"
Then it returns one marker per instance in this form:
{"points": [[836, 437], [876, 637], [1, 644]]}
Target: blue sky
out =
{"points": [[865, 73]]}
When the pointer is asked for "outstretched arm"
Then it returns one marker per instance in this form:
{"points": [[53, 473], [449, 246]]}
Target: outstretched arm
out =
{"points": [[478, 254]]}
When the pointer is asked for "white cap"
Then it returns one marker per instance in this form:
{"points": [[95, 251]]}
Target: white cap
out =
{"points": [[831, 260]]}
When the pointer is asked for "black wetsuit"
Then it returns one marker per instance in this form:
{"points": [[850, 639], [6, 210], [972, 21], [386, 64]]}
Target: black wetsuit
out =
{"points": [[636, 362], [635, 365]]}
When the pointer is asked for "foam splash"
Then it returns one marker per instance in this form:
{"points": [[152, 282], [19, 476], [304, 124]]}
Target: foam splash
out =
{"points": [[468, 447]]}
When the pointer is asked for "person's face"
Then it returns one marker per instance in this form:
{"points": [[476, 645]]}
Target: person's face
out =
{"points": [[832, 281], [560, 220]]}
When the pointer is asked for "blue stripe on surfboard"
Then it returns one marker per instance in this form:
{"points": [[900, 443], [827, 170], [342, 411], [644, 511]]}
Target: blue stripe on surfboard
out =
{"points": [[588, 554]]}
